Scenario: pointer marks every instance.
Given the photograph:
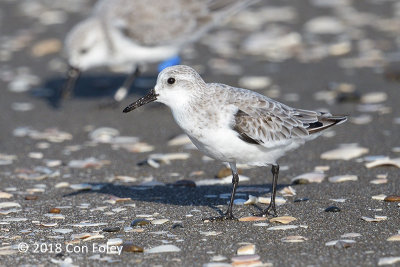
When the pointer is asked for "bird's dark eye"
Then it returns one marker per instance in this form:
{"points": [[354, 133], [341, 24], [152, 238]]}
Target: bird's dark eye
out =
{"points": [[171, 80], [83, 51]]}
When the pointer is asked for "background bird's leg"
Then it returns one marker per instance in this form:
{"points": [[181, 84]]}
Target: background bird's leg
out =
{"points": [[265, 212], [123, 91], [72, 76], [228, 214]]}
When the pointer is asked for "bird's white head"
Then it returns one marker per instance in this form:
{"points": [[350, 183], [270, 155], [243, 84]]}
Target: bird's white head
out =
{"points": [[176, 86], [86, 45]]}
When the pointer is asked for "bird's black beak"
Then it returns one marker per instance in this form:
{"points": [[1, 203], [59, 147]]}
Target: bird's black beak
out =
{"points": [[150, 97], [72, 76]]}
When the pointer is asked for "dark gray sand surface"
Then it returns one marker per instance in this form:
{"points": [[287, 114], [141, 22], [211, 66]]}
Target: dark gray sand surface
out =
{"points": [[64, 177]]}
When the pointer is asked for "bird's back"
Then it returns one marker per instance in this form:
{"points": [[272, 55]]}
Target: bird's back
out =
{"points": [[162, 22]]}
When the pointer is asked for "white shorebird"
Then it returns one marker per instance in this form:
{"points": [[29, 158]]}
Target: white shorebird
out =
{"points": [[235, 125], [131, 33]]}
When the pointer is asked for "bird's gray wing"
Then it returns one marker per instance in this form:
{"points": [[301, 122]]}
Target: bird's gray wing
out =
{"points": [[161, 22], [267, 122], [267, 126]]}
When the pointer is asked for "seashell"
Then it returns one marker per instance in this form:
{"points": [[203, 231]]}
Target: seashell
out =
{"points": [[247, 250], [283, 219], [345, 152], [255, 82], [394, 238], [266, 200], [210, 233], [342, 178], [288, 191], [294, 239], [103, 134], [376, 219], [5, 195], [379, 181], [5, 205], [252, 219], [343, 243], [114, 241], [384, 162], [310, 177], [282, 227], [324, 25], [252, 200], [379, 197], [388, 260], [392, 198], [163, 249], [159, 221], [179, 140], [350, 235], [374, 97]]}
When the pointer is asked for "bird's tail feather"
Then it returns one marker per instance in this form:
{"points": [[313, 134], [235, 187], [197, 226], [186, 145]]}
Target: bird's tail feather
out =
{"points": [[325, 121]]}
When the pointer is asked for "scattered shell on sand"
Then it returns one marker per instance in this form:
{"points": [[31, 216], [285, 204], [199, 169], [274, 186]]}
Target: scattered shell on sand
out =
{"points": [[88, 163], [283, 219], [324, 25], [379, 197], [114, 241], [345, 152], [159, 221], [342, 243], [283, 227], [179, 140], [350, 235], [374, 97], [253, 219], [376, 219], [5, 205], [267, 200], [392, 198], [163, 249], [255, 82], [46, 47], [342, 178], [383, 162], [5, 195], [249, 249], [388, 260], [294, 239], [226, 180], [379, 181], [394, 238], [310, 177], [210, 233], [288, 191]]}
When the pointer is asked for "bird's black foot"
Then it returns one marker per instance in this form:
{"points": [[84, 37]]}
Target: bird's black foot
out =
{"points": [[270, 210], [225, 217]]}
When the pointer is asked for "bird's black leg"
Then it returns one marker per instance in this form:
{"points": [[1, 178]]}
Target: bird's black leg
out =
{"points": [[228, 214], [271, 206], [123, 91], [68, 88]]}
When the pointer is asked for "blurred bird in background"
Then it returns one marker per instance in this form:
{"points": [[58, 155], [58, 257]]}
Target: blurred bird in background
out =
{"points": [[128, 34]]}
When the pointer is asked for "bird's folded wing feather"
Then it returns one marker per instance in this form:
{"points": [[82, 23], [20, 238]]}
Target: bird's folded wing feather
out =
{"points": [[273, 123]]}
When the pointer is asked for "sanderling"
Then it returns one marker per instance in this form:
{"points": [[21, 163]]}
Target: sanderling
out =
{"points": [[129, 34], [235, 125]]}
